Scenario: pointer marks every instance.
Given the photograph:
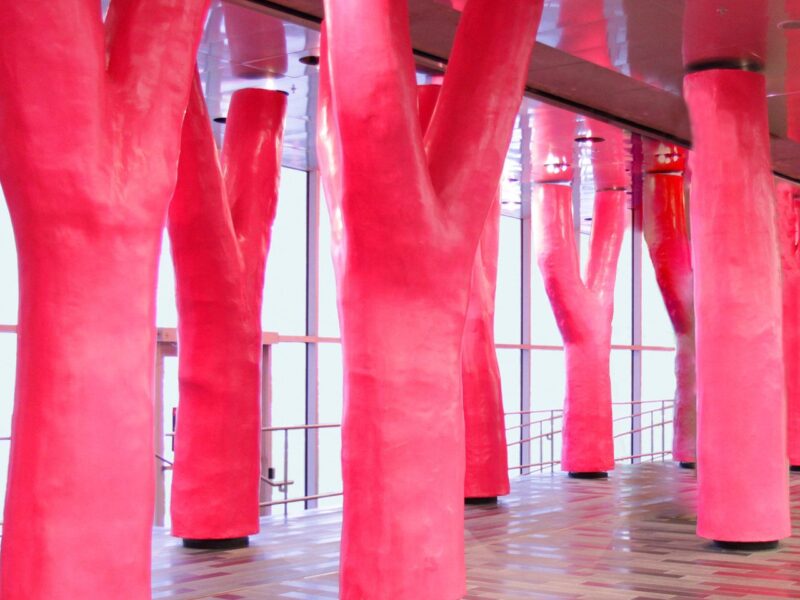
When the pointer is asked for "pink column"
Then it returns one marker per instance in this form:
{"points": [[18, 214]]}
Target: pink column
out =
{"points": [[486, 475], [405, 242], [741, 446], [91, 117], [788, 222], [666, 232], [486, 472], [219, 224], [583, 310]]}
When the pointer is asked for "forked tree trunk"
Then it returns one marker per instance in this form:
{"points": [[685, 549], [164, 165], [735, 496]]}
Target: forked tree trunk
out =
{"points": [[407, 215], [666, 232], [486, 469], [583, 310], [88, 172], [219, 224]]}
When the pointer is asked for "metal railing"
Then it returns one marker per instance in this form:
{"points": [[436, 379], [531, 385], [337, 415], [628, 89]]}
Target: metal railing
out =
{"points": [[540, 430]]}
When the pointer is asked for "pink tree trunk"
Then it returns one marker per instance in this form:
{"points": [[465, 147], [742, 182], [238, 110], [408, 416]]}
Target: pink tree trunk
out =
{"points": [[741, 446], [583, 310], [405, 240], [219, 223], [486, 471], [90, 116], [667, 236], [486, 475], [788, 221]]}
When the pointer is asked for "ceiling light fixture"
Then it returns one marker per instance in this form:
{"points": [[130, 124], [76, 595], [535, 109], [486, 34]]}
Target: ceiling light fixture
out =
{"points": [[589, 139], [221, 120], [310, 60]]}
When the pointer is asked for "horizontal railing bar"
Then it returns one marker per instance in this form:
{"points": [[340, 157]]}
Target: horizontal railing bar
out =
{"points": [[659, 453], [552, 462], [653, 426], [536, 437], [165, 461], [303, 499], [642, 414], [532, 423], [300, 427], [277, 483]]}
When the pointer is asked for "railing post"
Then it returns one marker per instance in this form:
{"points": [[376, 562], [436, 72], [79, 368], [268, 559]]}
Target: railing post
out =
{"points": [[526, 356], [637, 188], [266, 422], [158, 438], [285, 471], [312, 330]]}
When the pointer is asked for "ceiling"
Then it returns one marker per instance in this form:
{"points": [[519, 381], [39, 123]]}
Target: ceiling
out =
{"points": [[596, 62]]}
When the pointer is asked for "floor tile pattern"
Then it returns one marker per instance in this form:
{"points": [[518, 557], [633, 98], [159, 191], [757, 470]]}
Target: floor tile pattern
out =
{"points": [[630, 537]]}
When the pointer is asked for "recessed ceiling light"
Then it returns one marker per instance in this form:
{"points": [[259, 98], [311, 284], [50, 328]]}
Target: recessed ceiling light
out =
{"points": [[589, 139], [792, 24], [221, 120], [310, 60]]}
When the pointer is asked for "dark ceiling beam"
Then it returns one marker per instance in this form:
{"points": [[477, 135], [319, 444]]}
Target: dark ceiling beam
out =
{"points": [[555, 77]]}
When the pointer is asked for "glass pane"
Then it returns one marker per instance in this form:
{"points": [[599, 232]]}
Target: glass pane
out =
{"points": [[284, 308], [622, 324], [621, 397], [507, 325], [171, 394], [8, 366], [548, 379], [330, 411], [510, 378], [656, 327], [328, 317], [166, 307], [8, 269], [289, 408], [544, 329]]}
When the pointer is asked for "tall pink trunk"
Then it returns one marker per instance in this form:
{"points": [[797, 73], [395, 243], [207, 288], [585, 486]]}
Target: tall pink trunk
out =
{"points": [[583, 310], [788, 221], [486, 470], [741, 446], [219, 223], [87, 173], [405, 239], [667, 236]]}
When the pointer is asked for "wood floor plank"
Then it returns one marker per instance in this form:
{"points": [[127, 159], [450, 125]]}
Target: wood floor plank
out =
{"points": [[630, 537]]}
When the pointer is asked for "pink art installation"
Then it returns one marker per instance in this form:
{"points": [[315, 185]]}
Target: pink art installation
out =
{"points": [[90, 116], [407, 214], [219, 225]]}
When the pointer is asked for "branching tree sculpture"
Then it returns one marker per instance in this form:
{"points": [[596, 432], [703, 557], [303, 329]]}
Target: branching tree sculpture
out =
{"points": [[666, 231], [219, 223], [407, 214], [90, 116]]}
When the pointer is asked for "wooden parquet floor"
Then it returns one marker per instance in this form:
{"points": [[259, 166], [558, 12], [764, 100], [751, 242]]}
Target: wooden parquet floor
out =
{"points": [[630, 537]]}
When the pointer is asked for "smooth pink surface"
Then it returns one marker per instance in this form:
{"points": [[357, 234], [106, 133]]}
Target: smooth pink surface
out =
{"points": [[405, 238], [90, 116], [741, 444], [583, 308], [788, 229], [666, 232], [486, 472], [219, 224]]}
